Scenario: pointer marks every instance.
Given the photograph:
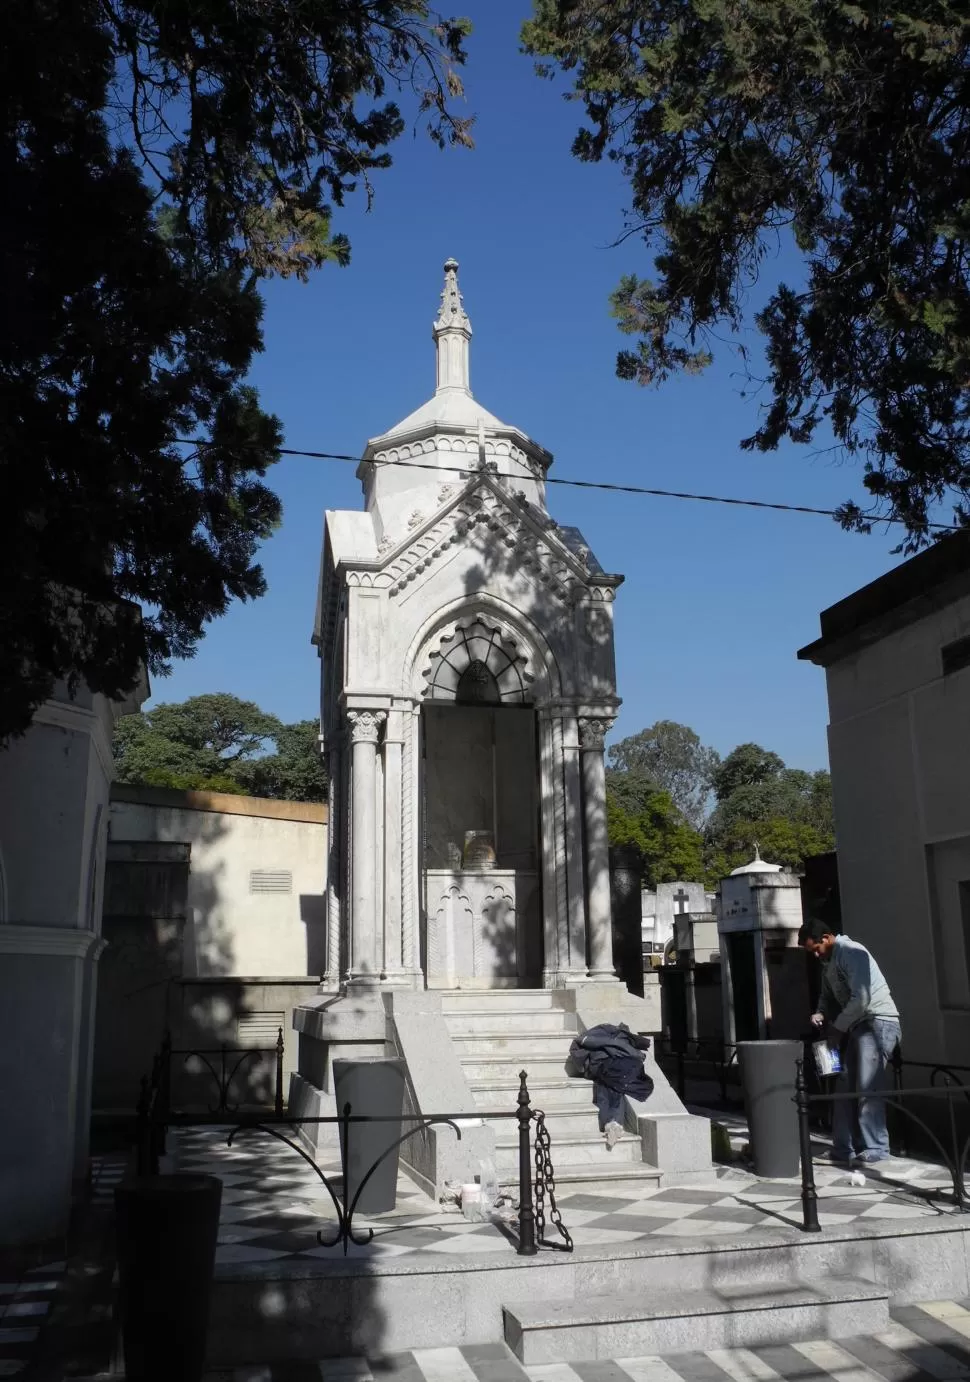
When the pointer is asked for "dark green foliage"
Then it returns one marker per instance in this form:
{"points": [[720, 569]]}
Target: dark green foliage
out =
{"points": [[220, 743], [758, 801], [251, 115], [840, 128], [673, 758], [155, 160]]}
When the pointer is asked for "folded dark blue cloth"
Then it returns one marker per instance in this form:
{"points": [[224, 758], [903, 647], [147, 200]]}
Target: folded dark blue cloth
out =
{"points": [[612, 1057]]}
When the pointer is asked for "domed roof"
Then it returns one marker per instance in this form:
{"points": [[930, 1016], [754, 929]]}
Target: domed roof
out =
{"points": [[757, 865]]}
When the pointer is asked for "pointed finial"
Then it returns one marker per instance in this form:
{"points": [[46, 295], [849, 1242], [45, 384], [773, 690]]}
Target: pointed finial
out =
{"points": [[452, 331], [451, 312], [757, 853]]}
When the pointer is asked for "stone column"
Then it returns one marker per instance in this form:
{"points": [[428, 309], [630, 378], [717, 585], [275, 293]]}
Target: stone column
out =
{"points": [[592, 732], [575, 938], [335, 886], [394, 962], [365, 727]]}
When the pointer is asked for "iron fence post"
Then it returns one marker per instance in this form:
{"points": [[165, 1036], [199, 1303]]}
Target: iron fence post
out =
{"points": [[279, 1074], [527, 1218], [144, 1131], [810, 1223]]}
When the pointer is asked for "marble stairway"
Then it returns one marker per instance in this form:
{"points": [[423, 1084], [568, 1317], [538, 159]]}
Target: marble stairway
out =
{"points": [[499, 1032]]}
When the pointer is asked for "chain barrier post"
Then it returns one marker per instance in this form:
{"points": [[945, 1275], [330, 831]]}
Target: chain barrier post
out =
{"points": [[527, 1223], [546, 1183], [278, 1106], [810, 1223]]}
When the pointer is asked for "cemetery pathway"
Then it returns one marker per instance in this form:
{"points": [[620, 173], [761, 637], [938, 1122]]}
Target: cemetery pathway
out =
{"points": [[926, 1343], [273, 1204]]}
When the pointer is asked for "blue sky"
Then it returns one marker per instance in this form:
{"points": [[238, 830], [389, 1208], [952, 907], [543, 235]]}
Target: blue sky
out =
{"points": [[717, 600]]}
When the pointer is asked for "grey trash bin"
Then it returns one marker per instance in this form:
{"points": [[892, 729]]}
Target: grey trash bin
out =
{"points": [[768, 1081], [373, 1089]]}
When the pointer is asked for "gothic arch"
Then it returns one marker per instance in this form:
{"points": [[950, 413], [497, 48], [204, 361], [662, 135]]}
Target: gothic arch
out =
{"points": [[486, 631]]}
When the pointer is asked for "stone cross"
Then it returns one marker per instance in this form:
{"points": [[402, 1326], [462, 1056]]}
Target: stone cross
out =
{"points": [[682, 899]]}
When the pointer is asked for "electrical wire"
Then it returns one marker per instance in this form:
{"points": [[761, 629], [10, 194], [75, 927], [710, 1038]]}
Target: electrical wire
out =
{"points": [[605, 485]]}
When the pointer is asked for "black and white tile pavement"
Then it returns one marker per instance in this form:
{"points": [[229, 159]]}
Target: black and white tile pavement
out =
{"points": [[273, 1204], [25, 1307], [926, 1343]]}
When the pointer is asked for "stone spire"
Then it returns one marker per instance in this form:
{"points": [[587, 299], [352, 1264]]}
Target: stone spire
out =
{"points": [[452, 333]]}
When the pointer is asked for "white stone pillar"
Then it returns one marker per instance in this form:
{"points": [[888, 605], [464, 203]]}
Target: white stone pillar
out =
{"points": [[592, 732], [365, 728], [394, 961], [335, 883], [575, 912], [549, 843]]}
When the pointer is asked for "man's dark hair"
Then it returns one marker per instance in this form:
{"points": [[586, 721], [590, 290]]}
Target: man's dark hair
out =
{"points": [[815, 929]]}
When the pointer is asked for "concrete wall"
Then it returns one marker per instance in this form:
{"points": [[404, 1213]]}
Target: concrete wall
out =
{"points": [[899, 744], [230, 928], [54, 784]]}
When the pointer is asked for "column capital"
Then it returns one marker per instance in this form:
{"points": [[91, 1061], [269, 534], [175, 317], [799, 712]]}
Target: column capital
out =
{"points": [[365, 725], [593, 731]]}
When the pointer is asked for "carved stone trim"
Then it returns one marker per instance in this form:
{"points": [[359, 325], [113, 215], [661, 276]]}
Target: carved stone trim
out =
{"points": [[365, 725], [592, 733]]}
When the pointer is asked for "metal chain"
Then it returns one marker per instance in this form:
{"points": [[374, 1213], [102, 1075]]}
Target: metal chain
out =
{"points": [[546, 1184]]}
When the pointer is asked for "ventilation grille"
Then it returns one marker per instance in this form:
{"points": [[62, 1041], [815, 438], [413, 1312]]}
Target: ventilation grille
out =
{"points": [[259, 1029], [270, 881], [955, 656]]}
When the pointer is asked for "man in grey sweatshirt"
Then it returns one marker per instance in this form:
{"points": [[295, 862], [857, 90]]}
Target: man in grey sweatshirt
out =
{"points": [[862, 1020]]}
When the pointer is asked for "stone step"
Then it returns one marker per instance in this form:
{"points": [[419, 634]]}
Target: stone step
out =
{"points": [[665, 1320], [503, 1069], [524, 1000], [473, 1020], [492, 1043], [590, 1150], [566, 1093], [562, 1123]]}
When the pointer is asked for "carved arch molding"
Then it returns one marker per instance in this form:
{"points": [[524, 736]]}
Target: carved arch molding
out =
{"points": [[479, 639]]}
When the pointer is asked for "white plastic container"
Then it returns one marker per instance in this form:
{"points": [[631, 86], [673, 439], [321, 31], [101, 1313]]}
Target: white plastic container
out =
{"points": [[471, 1202]]}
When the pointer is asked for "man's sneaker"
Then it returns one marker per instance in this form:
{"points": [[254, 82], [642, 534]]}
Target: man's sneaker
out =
{"points": [[837, 1158], [869, 1158], [613, 1134]]}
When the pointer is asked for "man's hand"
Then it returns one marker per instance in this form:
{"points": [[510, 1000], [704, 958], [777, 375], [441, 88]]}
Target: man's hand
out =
{"points": [[818, 1021]]}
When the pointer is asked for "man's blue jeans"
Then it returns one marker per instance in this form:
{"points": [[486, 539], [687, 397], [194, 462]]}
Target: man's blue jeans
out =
{"points": [[859, 1125]]}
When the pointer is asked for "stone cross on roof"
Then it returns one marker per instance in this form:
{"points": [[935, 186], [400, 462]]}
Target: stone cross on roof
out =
{"points": [[452, 332]]}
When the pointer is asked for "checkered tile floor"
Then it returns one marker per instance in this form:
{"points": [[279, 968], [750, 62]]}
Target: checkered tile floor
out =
{"points": [[927, 1343], [273, 1205], [27, 1304]]}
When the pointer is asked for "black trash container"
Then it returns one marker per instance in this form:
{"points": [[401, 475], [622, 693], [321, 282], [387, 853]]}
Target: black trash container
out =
{"points": [[167, 1230], [373, 1089], [768, 1081]]}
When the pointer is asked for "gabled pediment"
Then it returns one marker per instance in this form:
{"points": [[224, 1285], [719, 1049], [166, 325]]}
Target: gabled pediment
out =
{"points": [[482, 505]]}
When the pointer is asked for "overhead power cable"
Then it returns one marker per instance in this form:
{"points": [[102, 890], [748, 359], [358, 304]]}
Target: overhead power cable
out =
{"points": [[606, 485]]}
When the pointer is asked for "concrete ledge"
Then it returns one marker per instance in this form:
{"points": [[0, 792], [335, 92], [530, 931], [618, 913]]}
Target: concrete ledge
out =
{"points": [[332, 1307], [599, 1327]]}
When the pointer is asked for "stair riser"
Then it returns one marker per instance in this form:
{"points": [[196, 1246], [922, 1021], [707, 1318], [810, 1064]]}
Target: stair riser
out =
{"points": [[593, 1153], [560, 1125], [572, 1094], [517, 1024], [525, 1000], [734, 1329], [539, 1068], [514, 1044]]}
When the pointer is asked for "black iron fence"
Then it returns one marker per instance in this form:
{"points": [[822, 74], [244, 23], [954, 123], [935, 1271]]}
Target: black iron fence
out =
{"points": [[720, 1057], [952, 1149], [156, 1117], [230, 1061]]}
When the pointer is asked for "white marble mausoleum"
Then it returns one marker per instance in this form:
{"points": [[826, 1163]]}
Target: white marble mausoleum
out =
{"points": [[468, 682]]}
